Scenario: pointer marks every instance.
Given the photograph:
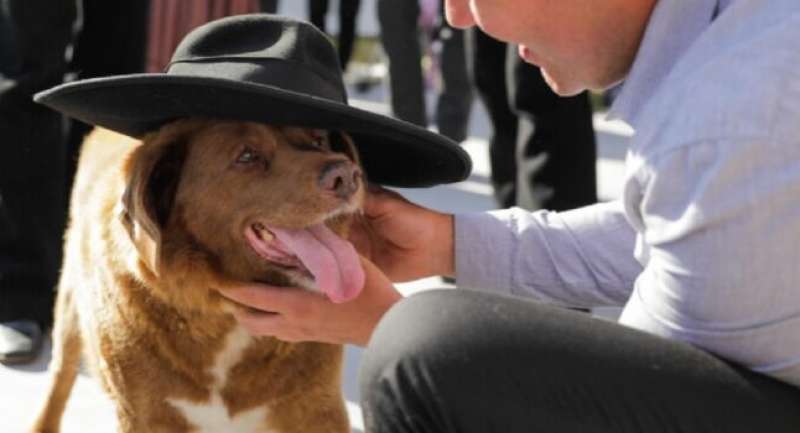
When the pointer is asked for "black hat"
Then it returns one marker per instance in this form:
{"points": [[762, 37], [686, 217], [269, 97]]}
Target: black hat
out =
{"points": [[269, 69]]}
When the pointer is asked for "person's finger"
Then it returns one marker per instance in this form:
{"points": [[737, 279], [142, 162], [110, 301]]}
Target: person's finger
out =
{"points": [[264, 298], [260, 323], [374, 188], [379, 200], [361, 235]]}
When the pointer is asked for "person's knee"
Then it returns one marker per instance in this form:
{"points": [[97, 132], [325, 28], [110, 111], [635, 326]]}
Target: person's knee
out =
{"points": [[402, 357], [409, 331], [451, 333], [415, 329], [431, 332]]}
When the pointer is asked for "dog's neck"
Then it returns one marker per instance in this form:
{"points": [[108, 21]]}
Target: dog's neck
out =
{"points": [[156, 311]]}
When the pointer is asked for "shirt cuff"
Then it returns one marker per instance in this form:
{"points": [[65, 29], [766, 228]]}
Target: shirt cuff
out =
{"points": [[482, 242]]}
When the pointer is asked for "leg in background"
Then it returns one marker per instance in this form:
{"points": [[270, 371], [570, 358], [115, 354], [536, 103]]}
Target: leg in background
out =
{"points": [[556, 149], [455, 101], [400, 38], [348, 14], [487, 60], [112, 41], [269, 6], [34, 36], [317, 9]]}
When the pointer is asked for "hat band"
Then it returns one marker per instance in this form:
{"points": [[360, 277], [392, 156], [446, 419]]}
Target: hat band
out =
{"points": [[265, 72]]}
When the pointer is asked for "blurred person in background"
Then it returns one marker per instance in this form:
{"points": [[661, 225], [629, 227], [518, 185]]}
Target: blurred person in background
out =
{"points": [[41, 42], [171, 20], [348, 14], [112, 41], [34, 37], [269, 6], [401, 38], [542, 149]]}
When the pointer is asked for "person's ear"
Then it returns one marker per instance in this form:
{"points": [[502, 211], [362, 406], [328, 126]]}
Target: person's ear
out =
{"points": [[152, 175]]}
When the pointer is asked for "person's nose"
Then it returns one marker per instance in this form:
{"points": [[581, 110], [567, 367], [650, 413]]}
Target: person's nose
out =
{"points": [[458, 13]]}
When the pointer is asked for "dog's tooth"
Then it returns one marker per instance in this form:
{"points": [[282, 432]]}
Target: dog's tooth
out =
{"points": [[265, 234]]}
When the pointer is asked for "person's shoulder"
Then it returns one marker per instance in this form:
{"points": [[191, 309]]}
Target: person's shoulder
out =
{"points": [[741, 79], [751, 79]]}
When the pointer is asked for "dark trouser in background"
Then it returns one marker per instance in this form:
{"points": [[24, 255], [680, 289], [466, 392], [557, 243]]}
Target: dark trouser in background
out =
{"points": [[455, 99], [401, 40], [269, 6], [348, 12], [37, 160], [461, 361], [542, 150], [556, 149], [112, 41], [34, 35], [487, 60]]}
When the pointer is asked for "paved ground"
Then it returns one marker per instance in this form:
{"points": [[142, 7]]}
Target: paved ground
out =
{"points": [[89, 411]]}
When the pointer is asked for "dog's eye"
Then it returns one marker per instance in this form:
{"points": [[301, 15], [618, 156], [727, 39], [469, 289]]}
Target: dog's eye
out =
{"points": [[247, 156], [319, 140]]}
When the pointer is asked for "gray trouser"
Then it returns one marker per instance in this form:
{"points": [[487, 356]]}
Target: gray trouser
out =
{"points": [[461, 361]]}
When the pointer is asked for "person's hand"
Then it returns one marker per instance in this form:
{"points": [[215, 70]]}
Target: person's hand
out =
{"points": [[292, 314], [405, 240]]}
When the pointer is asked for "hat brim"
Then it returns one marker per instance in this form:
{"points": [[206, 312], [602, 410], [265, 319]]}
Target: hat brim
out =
{"points": [[393, 152]]}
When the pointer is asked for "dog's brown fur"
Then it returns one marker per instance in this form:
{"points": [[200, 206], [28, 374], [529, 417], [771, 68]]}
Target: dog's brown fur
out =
{"points": [[157, 226]]}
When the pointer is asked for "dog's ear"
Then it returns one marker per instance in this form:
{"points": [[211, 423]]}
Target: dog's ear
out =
{"points": [[152, 176]]}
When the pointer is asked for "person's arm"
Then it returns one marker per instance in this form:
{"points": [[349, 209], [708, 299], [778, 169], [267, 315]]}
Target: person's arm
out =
{"points": [[583, 257], [572, 258]]}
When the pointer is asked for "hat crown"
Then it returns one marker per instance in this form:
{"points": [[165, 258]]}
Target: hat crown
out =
{"points": [[268, 47], [268, 69]]}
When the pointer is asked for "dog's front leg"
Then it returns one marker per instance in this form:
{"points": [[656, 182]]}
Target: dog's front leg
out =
{"points": [[64, 365]]}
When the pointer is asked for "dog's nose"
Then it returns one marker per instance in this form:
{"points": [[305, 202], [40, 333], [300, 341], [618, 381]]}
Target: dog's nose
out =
{"points": [[341, 178]]}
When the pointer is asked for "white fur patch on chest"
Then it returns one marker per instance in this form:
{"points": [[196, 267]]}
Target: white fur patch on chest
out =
{"points": [[213, 416]]}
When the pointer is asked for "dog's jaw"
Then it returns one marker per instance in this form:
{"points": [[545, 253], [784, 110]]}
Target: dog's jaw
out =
{"points": [[313, 257], [271, 249], [267, 247]]}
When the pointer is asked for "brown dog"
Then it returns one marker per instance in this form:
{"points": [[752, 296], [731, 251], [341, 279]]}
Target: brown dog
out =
{"points": [[156, 227]]}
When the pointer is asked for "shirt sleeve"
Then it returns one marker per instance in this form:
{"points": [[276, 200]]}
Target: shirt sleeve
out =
{"points": [[581, 258]]}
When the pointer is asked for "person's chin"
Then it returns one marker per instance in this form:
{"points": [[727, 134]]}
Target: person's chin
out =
{"points": [[561, 87]]}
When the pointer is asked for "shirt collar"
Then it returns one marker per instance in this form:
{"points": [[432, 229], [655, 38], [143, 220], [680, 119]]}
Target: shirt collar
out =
{"points": [[674, 25]]}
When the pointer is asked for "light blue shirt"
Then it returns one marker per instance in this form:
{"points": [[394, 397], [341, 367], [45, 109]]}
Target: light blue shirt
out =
{"points": [[704, 245]]}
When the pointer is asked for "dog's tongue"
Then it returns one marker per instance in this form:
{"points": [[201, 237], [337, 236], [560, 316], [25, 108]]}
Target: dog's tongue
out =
{"points": [[332, 260]]}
